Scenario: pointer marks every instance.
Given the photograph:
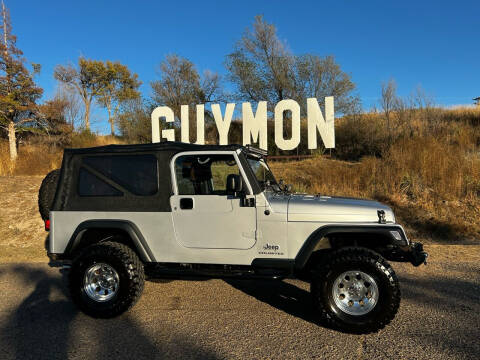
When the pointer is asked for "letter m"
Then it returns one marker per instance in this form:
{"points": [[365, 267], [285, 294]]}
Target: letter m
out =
{"points": [[255, 126]]}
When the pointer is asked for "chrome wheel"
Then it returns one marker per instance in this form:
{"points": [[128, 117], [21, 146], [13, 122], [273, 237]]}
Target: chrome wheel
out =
{"points": [[101, 282], [355, 292]]}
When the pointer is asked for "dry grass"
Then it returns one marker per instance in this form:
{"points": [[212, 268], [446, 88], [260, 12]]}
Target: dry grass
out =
{"points": [[433, 186], [427, 166], [32, 160], [40, 159]]}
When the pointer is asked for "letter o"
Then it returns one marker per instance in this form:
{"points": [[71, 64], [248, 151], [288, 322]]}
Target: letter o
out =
{"points": [[280, 108]]}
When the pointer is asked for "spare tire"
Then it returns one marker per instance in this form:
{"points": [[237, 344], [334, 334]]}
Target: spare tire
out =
{"points": [[46, 194]]}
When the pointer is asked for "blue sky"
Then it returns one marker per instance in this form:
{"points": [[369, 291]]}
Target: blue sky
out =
{"points": [[432, 43]]}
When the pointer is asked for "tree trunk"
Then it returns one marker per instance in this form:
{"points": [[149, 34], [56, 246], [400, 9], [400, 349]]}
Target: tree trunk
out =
{"points": [[87, 116], [12, 141], [110, 120]]}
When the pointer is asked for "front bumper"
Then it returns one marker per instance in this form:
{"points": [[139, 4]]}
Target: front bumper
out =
{"points": [[412, 253], [416, 255]]}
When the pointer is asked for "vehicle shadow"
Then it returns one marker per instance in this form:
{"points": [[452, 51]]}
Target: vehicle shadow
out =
{"points": [[46, 325], [448, 308], [281, 295]]}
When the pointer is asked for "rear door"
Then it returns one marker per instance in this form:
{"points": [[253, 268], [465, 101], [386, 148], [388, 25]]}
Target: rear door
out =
{"points": [[204, 215]]}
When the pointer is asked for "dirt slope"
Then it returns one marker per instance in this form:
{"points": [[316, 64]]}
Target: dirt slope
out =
{"points": [[22, 234]]}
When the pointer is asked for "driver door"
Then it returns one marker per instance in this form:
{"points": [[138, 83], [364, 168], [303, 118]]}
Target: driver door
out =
{"points": [[204, 214]]}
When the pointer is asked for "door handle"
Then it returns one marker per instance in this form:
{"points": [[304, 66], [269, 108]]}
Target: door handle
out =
{"points": [[186, 203]]}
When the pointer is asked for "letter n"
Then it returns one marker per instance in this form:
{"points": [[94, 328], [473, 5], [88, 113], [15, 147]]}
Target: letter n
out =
{"points": [[326, 127]]}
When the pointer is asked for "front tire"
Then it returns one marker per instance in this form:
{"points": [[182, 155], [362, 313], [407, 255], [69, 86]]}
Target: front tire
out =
{"points": [[106, 279], [355, 291]]}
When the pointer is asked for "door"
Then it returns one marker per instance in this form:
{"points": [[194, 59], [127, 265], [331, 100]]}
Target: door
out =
{"points": [[205, 214]]}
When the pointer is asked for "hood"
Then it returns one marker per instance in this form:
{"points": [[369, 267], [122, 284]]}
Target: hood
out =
{"points": [[330, 209]]}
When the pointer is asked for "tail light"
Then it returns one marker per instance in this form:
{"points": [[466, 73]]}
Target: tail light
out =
{"points": [[47, 225]]}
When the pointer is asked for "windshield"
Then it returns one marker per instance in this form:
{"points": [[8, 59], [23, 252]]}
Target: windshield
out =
{"points": [[262, 173]]}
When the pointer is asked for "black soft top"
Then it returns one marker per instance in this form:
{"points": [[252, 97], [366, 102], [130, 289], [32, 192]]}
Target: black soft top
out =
{"points": [[170, 146], [68, 199]]}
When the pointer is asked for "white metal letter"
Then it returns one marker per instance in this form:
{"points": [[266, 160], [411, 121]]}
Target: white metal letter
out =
{"points": [[281, 107], [184, 124], [223, 124], [157, 113], [200, 125], [326, 127], [255, 126]]}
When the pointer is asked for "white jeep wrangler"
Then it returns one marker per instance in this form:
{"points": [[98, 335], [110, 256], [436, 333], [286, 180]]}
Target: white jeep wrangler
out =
{"points": [[118, 212]]}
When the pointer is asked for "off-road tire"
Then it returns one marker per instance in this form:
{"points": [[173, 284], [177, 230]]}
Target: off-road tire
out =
{"points": [[46, 194], [369, 262], [131, 279]]}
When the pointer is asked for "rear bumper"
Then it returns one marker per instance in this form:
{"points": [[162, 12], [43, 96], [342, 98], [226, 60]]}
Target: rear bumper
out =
{"points": [[58, 260]]}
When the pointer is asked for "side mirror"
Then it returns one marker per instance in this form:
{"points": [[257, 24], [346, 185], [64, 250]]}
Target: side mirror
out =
{"points": [[234, 184]]}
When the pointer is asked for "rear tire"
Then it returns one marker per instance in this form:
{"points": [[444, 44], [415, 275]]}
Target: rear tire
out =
{"points": [[106, 279], [46, 194], [355, 291]]}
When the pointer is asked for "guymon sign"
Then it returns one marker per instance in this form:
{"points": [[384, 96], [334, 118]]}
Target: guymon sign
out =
{"points": [[254, 124]]}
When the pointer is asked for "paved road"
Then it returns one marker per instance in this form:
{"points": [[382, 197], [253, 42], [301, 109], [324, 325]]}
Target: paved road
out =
{"points": [[439, 318]]}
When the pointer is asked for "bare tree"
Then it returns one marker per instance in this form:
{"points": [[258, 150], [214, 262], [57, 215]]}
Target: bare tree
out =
{"points": [[89, 81], [389, 101], [73, 105], [181, 84], [261, 66], [319, 77], [421, 99]]}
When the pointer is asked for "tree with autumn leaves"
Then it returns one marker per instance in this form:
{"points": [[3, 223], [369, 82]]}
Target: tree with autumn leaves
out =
{"points": [[18, 91], [109, 83]]}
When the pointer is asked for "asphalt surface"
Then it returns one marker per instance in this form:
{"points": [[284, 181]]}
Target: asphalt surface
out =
{"points": [[439, 318]]}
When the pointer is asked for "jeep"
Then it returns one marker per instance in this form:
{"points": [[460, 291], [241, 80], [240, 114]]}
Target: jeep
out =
{"points": [[118, 214]]}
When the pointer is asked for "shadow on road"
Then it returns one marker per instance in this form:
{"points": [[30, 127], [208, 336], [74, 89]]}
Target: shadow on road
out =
{"points": [[450, 293], [449, 309], [281, 295], [46, 325], [435, 300]]}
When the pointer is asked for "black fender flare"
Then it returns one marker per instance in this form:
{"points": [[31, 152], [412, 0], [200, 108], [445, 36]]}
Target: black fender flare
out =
{"points": [[384, 231], [129, 227]]}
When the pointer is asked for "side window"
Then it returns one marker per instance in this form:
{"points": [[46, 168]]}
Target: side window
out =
{"points": [[91, 185], [136, 173], [204, 174]]}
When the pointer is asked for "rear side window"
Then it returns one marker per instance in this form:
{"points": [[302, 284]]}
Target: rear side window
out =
{"points": [[91, 185], [136, 173]]}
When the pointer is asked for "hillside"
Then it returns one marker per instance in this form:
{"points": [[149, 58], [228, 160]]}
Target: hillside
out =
{"points": [[426, 216], [425, 163]]}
